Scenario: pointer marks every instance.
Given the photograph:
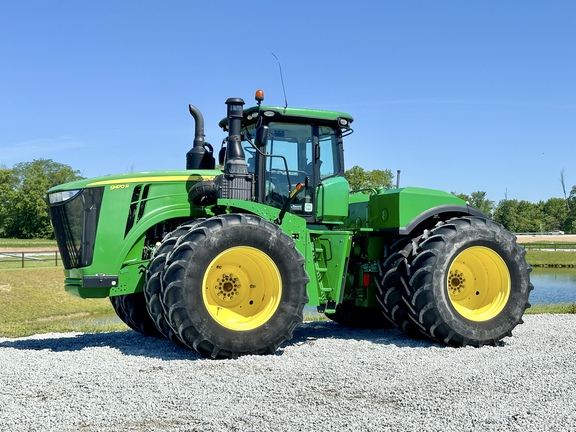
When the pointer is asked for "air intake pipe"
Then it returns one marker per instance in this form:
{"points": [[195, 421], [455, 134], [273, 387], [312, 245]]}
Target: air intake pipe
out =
{"points": [[235, 159], [200, 155]]}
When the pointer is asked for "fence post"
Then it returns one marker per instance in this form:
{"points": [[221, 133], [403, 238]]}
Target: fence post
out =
{"points": [[22, 259], [56, 258]]}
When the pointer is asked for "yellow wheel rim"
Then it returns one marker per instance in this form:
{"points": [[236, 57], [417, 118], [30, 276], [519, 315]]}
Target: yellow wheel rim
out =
{"points": [[478, 283], [242, 288]]}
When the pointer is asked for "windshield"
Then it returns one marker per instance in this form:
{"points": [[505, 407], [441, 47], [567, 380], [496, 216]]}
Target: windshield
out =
{"points": [[295, 151]]}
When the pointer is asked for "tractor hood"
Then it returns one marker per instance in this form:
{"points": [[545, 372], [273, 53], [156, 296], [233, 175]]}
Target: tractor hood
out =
{"points": [[120, 181]]}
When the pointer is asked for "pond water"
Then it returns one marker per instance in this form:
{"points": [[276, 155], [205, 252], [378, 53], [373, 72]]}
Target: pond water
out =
{"points": [[553, 285]]}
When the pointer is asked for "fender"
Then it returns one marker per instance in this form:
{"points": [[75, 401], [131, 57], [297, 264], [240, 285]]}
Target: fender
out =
{"points": [[447, 210]]}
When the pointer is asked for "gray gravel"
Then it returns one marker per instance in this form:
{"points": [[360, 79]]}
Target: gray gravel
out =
{"points": [[326, 378]]}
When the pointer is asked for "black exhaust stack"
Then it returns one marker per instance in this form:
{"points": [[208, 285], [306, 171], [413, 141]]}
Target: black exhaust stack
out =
{"points": [[200, 155]]}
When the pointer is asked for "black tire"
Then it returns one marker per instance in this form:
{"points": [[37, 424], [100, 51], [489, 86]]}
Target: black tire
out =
{"points": [[350, 315], [131, 309], [393, 288], [234, 285], [469, 282], [154, 274]]}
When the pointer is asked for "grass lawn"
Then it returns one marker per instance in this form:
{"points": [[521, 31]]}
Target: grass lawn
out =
{"points": [[552, 309], [551, 258], [34, 301]]}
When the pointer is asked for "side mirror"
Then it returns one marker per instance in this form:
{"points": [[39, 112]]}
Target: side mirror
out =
{"points": [[261, 138]]}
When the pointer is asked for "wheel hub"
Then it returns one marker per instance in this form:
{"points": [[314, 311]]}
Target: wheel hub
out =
{"points": [[227, 287], [457, 282]]}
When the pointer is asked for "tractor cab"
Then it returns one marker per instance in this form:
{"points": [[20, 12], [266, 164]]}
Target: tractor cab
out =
{"points": [[292, 156]]}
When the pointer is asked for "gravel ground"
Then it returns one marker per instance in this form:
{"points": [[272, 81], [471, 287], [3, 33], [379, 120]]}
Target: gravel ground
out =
{"points": [[326, 378]]}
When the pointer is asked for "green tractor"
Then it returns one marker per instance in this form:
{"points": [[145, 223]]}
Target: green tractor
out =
{"points": [[223, 261]]}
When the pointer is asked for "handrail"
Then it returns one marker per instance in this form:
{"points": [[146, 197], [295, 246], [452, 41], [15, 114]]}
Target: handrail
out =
{"points": [[29, 256], [549, 246]]}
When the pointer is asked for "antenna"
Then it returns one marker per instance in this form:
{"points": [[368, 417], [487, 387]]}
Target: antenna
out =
{"points": [[282, 80]]}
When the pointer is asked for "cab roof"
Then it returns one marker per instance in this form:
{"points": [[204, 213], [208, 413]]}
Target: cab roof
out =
{"points": [[293, 114]]}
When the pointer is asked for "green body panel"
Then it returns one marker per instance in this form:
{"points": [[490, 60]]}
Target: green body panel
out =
{"points": [[395, 209], [73, 285], [326, 264], [332, 200]]}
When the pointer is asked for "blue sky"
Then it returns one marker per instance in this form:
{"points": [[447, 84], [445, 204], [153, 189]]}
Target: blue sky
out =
{"points": [[461, 96]]}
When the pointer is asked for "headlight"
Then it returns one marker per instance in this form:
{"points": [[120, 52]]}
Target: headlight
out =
{"points": [[60, 197]]}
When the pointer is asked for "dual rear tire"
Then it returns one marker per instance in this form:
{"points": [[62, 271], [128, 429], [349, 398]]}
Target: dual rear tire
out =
{"points": [[465, 282]]}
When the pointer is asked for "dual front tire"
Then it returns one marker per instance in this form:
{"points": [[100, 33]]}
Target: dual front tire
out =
{"points": [[226, 286]]}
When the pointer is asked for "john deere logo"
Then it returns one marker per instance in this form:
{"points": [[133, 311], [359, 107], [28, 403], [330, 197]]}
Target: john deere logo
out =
{"points": [[119, 186]]}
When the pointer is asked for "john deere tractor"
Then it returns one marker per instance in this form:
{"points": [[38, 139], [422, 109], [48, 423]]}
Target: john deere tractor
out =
{"points": [[223, 261]]}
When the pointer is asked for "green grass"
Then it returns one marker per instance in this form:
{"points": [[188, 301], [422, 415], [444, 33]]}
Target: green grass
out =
{"points": [[34, 301], [552, 309], [314, 316], [540, 258]]}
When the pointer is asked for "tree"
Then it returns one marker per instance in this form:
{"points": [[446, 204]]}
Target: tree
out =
{"points": [[530, 217], [570, 223], [478, 199], [358, 178], [505, 213], [520, 216], [555, 214], [23, 209], [8, 183]]}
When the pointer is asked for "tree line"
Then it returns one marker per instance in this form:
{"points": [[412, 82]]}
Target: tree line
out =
{"points": [[23, 208], [520, 216], [24, 212]]}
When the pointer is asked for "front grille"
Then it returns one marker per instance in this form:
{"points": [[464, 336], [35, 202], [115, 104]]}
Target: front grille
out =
{"points": [[75, 222]]}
